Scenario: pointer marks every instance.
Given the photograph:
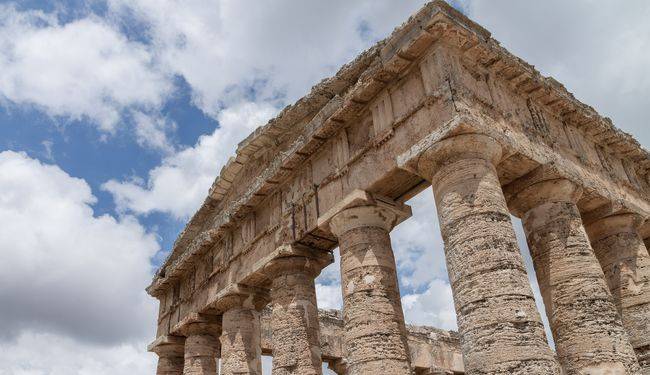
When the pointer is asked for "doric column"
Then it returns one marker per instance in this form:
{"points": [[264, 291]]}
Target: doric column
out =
{"points": [[241, 351], [500, 327], [589, 336], [294, 313], [375, 333], [626, 263], [201, 343], [170, 351]]}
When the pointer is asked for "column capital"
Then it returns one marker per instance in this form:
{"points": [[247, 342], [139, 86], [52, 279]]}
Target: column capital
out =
{"points": [[457, 147], [542, 185], [240, 296], [310, 264], [167, 346], [197, 324], [613, 224], [363, 209]]}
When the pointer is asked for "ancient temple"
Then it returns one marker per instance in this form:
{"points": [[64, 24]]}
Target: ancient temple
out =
{"points": [[439, 105]]}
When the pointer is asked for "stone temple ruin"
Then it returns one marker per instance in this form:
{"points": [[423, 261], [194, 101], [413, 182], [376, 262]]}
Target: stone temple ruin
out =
{"points": [[438, 104]]}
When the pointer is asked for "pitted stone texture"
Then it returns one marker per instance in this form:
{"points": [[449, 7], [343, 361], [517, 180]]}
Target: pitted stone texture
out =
{"points": [[170, 359], [500, 327], [241, 352], [375, 333], [201, 350], [589, 336], [626, 263], [294, 317], [170, 365]]}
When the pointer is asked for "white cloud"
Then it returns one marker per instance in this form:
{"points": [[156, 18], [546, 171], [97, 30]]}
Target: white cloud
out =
{"points": [[151, 131], [181, 182], [329, 296], [434, 307], [64, 270], [418, 245], [225, 48], [50, 354], [83, 70]]}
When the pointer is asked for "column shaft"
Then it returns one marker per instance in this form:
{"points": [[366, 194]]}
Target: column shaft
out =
{"points": [[589, 337], [500, 327], [201, 354], [170, 365], [170, 356], [241, 352], [294, 316], [626, 263], [375, 333]]}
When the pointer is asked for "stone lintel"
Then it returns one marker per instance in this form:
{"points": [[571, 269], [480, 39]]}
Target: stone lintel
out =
{"points": [[171, 344], [195, 322], [360, 198], [239, 295]]}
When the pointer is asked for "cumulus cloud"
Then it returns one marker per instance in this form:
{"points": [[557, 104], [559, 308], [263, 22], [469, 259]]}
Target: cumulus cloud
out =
{"points": [[227, 50], [433, 307], [83, 70], [418, 246], [37, 353], [181, 182], [151, 131], [64, 270]]}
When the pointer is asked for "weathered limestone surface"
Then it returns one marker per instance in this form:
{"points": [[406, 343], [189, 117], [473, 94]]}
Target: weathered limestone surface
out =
{"points": [[589, 336], [625, 260], [201, 344], [241, 351], [501, 329], [170, 351], [294, 318], [644, 232], [369, 129], [375, 333], [432, 350], [201, 353]]}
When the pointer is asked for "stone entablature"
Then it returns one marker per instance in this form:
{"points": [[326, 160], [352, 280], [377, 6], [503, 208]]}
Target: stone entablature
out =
{"points": [[375, 135]]}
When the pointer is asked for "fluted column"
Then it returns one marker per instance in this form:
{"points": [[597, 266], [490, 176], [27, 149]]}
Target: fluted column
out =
{"points": [[241, 351], [501, 330], [201, 344], [589, 336], [294, 314], [200, 353], [375, 333], [170, 351], [626, 263]]}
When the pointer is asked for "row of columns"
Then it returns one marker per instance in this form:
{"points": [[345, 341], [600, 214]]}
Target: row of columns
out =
{"points": [[595, 283]]}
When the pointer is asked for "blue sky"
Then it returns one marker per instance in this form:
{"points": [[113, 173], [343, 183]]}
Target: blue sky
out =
{"points": [[116, 115]]}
